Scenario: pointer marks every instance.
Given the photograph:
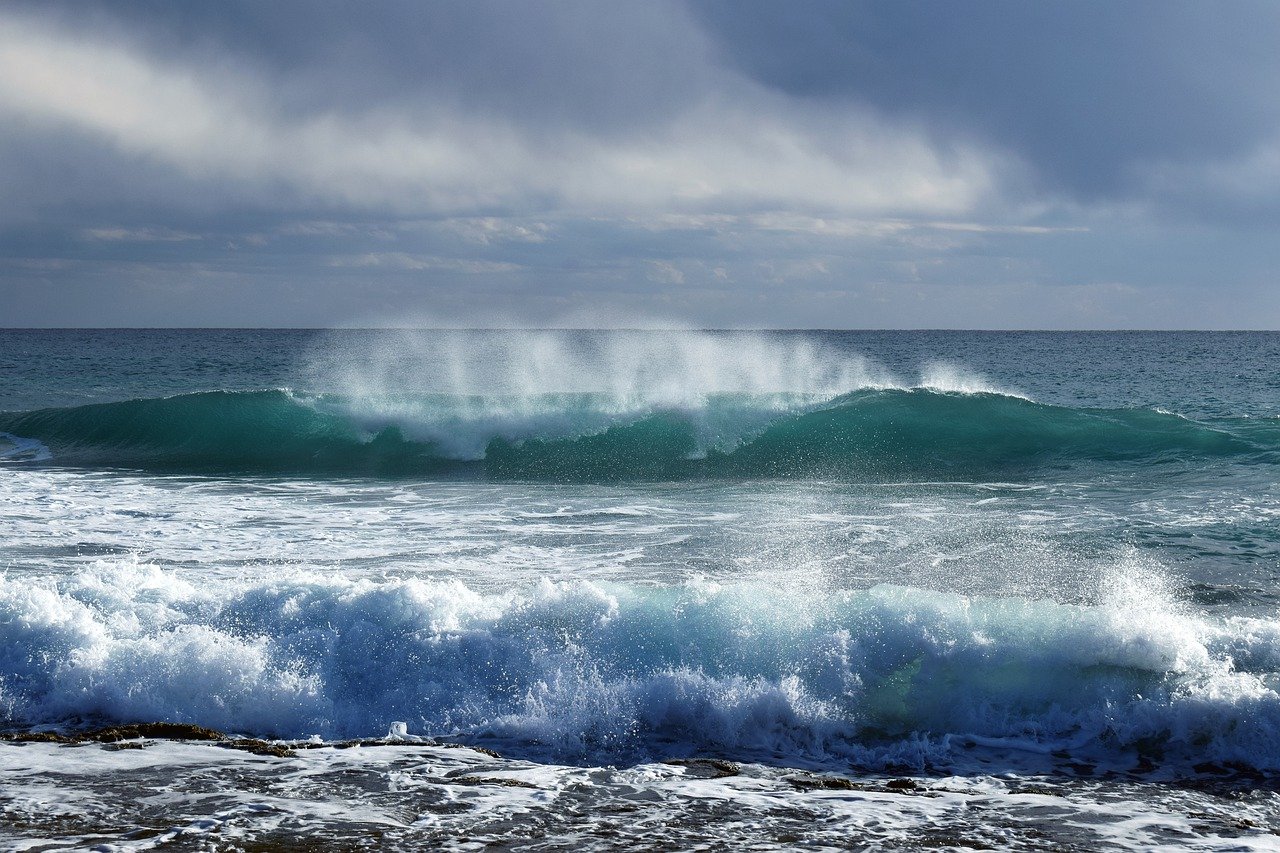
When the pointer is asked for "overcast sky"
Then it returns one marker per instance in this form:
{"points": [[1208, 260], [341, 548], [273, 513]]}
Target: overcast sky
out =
{"points": [[719, 163]]}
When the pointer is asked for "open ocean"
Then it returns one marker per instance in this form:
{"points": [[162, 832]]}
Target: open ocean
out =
{"points": [[610, 590]]}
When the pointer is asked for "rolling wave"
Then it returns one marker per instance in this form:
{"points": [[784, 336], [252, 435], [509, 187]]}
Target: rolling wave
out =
{"points": [[578, 671], [869, 433]]}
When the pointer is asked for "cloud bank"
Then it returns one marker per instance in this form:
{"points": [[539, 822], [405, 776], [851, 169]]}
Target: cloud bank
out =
{"points": [[729, 164]]}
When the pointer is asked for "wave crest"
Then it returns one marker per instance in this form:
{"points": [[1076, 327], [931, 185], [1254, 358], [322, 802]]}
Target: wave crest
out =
{"points": [[867, 434], [587, 672]]}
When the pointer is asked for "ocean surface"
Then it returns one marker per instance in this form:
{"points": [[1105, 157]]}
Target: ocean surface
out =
{"points": [[613, 590]]}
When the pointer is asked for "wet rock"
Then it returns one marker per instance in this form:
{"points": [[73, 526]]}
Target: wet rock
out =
{"points": [[824, 783], [36, 737], [132, 735], [485, 780], [480, 749], [258, 747], [706, 768], [1040, 790], [159, 731]]}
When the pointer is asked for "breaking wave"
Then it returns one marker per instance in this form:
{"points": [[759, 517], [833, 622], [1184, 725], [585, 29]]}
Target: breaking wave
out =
{"points": [[872, 432], [585, 672]]}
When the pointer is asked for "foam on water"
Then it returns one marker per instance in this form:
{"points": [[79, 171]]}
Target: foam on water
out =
{"points": [[18, 449], [592, 672], [413, 797], [595, 551]]}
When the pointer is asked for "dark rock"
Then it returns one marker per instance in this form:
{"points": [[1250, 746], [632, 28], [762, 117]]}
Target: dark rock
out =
{"points": [[160, 731], [480, 749], [824, 783], [258, 747], [36, 737], [132, 735], [1039, 790], [706, 768], [481, 780]]}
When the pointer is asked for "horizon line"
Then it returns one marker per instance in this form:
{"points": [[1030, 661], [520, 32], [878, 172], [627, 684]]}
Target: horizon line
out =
{"points": [[614, 329]]}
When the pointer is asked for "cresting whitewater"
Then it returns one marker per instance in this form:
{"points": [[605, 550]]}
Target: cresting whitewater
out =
{"points": [[687, 588]]}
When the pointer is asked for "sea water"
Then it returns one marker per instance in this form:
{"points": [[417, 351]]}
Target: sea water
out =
{"points": [[576, 589]]}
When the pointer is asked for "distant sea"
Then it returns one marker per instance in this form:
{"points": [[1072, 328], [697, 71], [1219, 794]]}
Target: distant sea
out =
{"points": [[562, 590]]}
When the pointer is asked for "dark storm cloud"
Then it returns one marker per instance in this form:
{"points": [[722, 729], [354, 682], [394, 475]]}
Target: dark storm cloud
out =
{"points": [[727, 163], [1089, 92]]}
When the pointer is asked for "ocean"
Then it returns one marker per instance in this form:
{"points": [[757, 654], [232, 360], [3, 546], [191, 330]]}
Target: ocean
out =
{"points": [[554, 590]]}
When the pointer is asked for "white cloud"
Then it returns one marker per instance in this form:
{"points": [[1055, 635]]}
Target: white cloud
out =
{"points": [[405, 261], [485, 230], [139, 235], [989, 228], [741, 147], [665, 272], [788, 222]]}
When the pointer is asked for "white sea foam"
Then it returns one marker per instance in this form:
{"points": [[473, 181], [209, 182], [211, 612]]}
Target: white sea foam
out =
{"points": [[15, 448], [413, 797], [957, 379], [588, 671]]}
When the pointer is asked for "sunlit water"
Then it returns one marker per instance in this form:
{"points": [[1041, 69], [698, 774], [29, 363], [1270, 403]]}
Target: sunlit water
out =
{"points": [[1033, 575]]}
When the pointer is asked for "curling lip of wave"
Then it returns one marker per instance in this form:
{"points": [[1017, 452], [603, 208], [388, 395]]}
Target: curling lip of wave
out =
{"points": [[867, 433]]}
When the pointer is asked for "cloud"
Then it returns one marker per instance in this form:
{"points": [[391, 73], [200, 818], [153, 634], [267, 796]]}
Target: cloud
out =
{"points": [[828, 162], [753, 150], [418, 263], [488, 230], [665, 272], [1086, 93], [139, 235]]}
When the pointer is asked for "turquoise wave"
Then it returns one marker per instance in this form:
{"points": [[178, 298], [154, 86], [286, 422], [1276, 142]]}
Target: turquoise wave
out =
{"points": [[911, 433]]}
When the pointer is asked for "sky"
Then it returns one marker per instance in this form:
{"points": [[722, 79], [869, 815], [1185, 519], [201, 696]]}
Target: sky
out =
{"points": [[710, 163]]}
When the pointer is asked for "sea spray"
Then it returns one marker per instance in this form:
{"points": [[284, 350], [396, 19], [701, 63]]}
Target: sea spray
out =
{"points": [[633, 369], [1027, 602], [584, 671], [870, 434]]}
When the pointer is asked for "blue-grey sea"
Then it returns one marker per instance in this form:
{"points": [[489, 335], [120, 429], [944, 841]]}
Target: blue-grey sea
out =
{"points": [[556, 590]]}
